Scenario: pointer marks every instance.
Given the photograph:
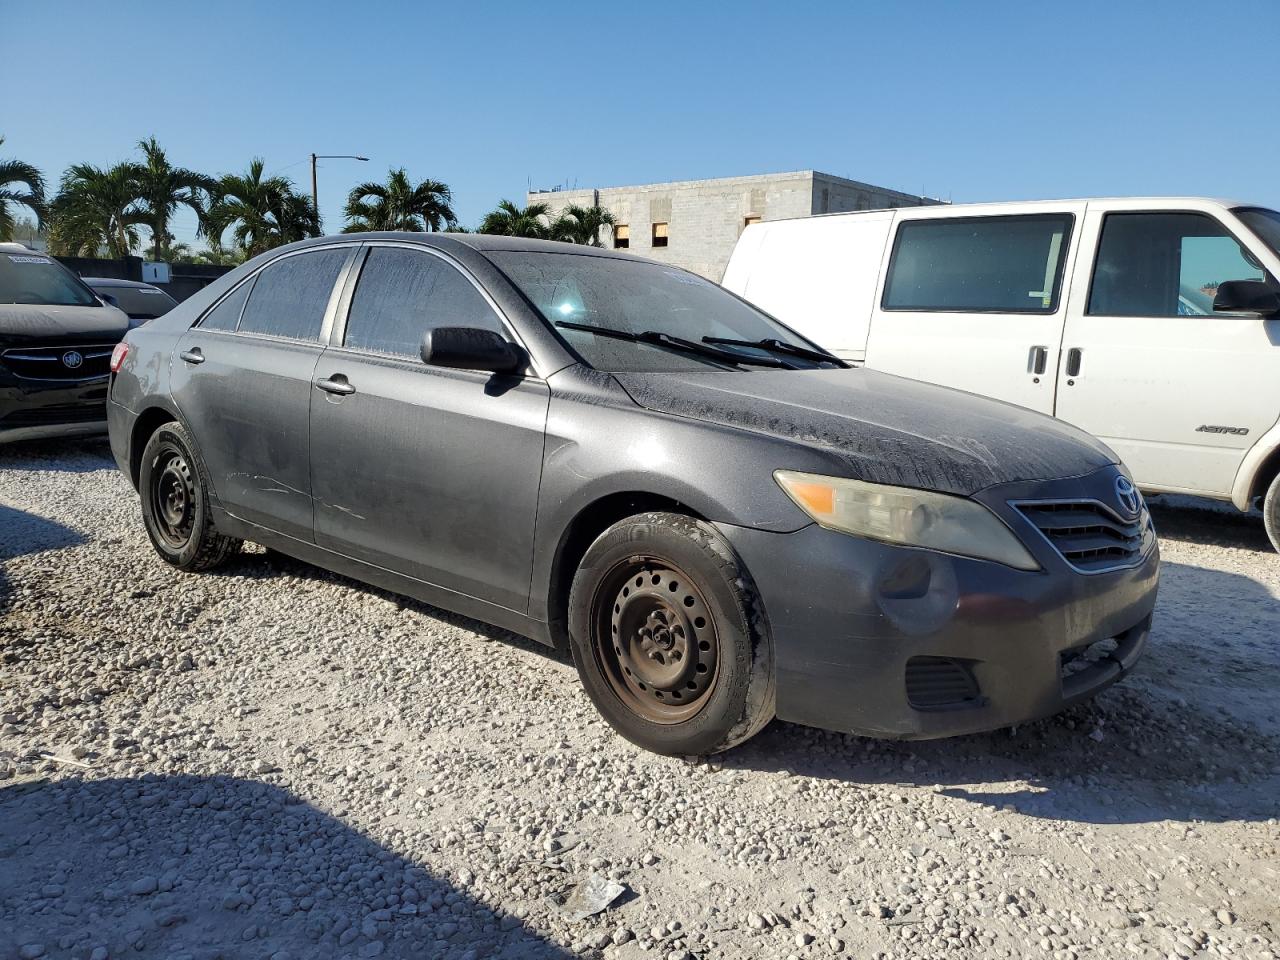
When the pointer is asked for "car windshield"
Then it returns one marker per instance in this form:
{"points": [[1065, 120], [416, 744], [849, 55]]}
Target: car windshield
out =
{"points": [[140, 303], [35, 278], [575, 291], [1265, 223]]}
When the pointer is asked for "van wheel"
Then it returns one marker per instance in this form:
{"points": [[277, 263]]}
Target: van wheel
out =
{"points": [[1271, 511], [669, 636], [175, 503]]}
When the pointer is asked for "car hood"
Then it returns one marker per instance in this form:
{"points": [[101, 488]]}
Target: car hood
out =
{"points": [[886, 429], [30, 323]]}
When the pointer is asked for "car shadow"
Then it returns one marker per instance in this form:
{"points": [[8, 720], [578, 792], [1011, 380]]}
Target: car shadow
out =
{"points": [[170, 866], [23, 533], [1192, 734], [58, 455], [1210, 524]]}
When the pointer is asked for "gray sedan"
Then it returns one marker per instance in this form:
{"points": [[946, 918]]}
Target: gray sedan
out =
{"points": [[720, 520]]}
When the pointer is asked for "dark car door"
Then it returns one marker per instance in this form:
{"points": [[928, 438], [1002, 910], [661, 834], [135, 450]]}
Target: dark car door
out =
{"points": [[429, 472], [242, 379]]}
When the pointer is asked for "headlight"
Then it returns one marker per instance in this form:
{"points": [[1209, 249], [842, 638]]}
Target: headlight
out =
{"points": [[914, 518]]}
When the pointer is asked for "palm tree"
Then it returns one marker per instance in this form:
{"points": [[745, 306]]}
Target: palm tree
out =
{"points": [[15, 174], [399, 205], [162, 188], [508, 220], [581, 225], [218, 255], [97, 208], [261, 212]]}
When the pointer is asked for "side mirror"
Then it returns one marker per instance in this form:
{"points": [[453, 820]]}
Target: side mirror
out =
{"points": [[469, 348], [1247, 296], [109, 300]]}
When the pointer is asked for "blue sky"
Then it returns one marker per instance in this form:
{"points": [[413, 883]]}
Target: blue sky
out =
{"points": [[968, 101]]}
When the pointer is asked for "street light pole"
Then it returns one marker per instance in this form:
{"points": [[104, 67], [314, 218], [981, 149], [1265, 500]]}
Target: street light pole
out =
{"points": [[315, 193]]}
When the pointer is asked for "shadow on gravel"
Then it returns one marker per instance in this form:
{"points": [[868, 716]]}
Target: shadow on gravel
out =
{"points": [[58, 455], [1214, 525], [1168, 743], [22, 533], [207, 867]]}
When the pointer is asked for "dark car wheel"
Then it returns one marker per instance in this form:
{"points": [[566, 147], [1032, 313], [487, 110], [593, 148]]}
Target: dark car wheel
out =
{"points": [[670, 638], [175, 503], [1271, 512]]}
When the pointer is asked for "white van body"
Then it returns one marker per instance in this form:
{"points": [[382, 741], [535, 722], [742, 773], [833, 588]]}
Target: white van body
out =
{"points": [[1098, 311]]}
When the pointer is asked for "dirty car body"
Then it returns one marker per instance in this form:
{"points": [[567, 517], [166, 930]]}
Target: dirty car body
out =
{"points": [[480, 491]]}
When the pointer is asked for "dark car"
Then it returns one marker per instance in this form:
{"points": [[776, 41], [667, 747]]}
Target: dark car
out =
{"points": [[56, 338], [720, 520], [140, 301]]}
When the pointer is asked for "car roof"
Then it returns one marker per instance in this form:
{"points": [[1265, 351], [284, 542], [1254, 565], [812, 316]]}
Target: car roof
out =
{"points": [[117, 282], [480, 242]]}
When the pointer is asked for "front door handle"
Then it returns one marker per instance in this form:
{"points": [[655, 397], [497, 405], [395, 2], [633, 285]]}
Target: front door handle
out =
{"points": [[192, 356], [1073, 362], [336, 384], [1039, 359]]}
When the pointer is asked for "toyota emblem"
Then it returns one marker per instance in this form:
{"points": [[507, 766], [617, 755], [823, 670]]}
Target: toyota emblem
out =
{"points": [[1127, 495], [72, 359]]}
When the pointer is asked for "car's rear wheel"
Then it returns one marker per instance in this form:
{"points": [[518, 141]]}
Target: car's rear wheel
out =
{"points": [[669, 636], [1271, 511], [175, 503]]}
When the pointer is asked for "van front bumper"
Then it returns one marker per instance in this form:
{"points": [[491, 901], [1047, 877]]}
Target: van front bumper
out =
{"points": [[898, 642]]}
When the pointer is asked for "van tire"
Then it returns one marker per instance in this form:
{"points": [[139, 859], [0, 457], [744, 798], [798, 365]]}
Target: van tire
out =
{"points": [[1271, 511]]}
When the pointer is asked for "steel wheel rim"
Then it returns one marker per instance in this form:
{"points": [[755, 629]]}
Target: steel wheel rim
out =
{"points": [[173, 498], [655, 640]]}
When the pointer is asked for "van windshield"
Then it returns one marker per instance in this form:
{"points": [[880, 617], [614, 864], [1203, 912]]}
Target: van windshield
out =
{"points": [[35, 278], [1265, 223]]}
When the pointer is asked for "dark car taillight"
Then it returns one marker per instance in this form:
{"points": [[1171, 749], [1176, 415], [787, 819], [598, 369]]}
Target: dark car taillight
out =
{"points": [[117, 356]]}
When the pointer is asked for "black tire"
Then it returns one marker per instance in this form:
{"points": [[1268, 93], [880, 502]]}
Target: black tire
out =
{"points": [[691, 673], [175, 503], [1271, 511]]}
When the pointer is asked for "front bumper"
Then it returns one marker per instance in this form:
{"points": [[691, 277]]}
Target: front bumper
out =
{"points": [[51, 408], [897, 642]]}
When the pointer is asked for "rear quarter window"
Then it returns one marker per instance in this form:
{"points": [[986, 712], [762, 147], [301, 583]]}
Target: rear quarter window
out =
{"points": [[978, 264]]}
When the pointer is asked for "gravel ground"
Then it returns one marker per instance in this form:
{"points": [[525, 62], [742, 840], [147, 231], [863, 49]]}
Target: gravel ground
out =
{"points": [[271, 761]]}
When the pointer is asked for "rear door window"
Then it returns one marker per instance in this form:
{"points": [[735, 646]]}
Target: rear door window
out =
{"points": [[979, 264], [403, 293], [1165, 265], [290, 296]]}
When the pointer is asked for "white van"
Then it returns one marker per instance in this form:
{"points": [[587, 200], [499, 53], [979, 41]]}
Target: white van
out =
{"points": [[1153, 324]]}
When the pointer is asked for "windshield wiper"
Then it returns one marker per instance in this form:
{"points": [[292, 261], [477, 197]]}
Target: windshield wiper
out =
{"points": [[781, 346], [658, 339]]}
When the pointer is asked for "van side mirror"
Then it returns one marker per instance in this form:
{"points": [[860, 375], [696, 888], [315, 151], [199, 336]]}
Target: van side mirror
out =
{"points": [[470, 348], [109, 300], [1247, 296]]}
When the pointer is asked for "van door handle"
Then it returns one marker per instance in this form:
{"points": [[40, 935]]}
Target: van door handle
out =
{"points": [[1039, 359], [192, 356], [336, 384], [1073, 362]]}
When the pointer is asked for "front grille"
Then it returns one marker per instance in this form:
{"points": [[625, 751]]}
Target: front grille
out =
{"points": [[58, 363], [55, 413], [935, 683], [1089, 535]]}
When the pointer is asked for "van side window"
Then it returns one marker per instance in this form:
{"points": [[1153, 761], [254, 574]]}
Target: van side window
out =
{"points": [[290, 296], [1165, 265], [979, 264]]}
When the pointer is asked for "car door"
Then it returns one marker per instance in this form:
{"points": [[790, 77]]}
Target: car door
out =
{"points": [[430, 472], [975, 302], [242, 379], [1178, 391]]}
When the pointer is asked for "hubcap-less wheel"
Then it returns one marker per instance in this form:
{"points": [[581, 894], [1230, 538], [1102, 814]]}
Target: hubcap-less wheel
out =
{"points": [[655, 640], [174, 496]]}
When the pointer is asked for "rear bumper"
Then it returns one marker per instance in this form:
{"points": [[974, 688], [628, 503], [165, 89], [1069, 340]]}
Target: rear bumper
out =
{"points": [[120, 421], [904, 643], [56, 408]]}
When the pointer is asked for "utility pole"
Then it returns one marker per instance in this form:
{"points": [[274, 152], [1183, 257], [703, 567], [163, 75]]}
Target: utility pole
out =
{"points": [[315, 193]]}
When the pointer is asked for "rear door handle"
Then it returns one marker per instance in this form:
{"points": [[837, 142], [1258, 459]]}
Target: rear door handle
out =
{"points": [[1039, 359], [336, 384], [192, 356], [1073, 362]]}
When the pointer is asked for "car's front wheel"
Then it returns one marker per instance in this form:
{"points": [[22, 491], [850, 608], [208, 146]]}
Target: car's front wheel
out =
{"points": [[669, 636], [1271, 511], [175, 503]]}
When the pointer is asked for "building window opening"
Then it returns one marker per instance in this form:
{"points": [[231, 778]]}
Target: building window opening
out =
{"points": [[621, 236], [659, 234]]}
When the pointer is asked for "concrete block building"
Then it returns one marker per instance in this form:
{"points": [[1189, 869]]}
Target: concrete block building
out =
{"points": [[695, 223]]}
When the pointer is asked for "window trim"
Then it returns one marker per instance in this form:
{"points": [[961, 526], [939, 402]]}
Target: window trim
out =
{"points": [[338, 333], [1059, 280], [1097, 251], [326, 322]]}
